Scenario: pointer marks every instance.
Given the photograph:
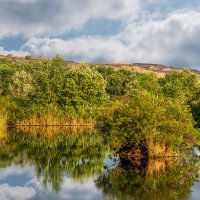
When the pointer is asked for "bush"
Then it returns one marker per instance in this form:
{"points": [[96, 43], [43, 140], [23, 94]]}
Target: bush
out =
{"points": [[147, 119], [28, 57], [83, 87], [183, 85], [21, 84]]}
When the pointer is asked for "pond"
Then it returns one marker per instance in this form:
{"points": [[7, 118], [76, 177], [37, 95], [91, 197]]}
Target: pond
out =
{"points": [[38, 164]]}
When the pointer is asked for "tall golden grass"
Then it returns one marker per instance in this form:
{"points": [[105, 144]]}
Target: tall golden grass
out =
{"points": [[50, 131], [158, 150], [49, 119], [153, 150], [159, 165], [3, 123]]}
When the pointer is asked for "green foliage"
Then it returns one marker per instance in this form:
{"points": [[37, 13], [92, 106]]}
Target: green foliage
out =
{"points": [[143, 83], [78, 87], [83, 87], [28, 57], [183, 85], [6, 73], [195, 108], [21, 84], [147, 118], [105, 71], [41, 83], [48, 83], [116, 80], [149, 115], [142, 107]]}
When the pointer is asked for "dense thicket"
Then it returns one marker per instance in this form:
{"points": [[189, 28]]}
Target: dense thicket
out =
{"points": [[133, 109], [116, 80], [39, 88]]}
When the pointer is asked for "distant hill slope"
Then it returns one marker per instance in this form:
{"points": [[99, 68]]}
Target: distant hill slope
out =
{"points": [[157, 69]]}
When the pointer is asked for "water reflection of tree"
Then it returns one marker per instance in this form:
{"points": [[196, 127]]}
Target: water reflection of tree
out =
{"points": [[76, 154], [159, 179]]}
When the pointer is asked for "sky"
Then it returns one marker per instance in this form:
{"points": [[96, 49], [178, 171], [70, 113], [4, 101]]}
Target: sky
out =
{"points": [[22, 184], [103, 31]]}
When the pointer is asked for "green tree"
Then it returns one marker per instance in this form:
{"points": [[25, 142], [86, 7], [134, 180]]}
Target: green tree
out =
{"points": [[83, 86], [152, 121], [48, 82], [143, 82], [195, 109], [105, 71], [116, 80], [183, 85], [21, 84], [6, 73]]}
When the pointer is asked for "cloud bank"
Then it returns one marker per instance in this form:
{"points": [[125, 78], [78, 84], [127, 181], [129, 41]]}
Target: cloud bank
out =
{"points": [[10, 193], [169, 37], [172, 41], [49, 17]]}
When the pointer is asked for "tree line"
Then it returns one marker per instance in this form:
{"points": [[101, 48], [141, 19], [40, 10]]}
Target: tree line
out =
{"points": [[135, 111]]}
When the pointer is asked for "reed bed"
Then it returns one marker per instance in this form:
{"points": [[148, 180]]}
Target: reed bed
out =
{"points": [[158, 150], [50, 131], [50, 119], [159, 165], [3, 123]]}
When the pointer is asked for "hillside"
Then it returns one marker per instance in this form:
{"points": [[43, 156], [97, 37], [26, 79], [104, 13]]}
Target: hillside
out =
{"points": [[157, 69]]}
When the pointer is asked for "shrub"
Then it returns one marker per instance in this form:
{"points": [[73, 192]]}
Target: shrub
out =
{"points": [[148, 119]]}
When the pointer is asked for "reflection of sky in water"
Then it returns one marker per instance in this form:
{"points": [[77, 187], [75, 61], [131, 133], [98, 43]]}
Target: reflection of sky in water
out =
{"points": [[196, 187], [21, 183], [196, 192], [15, 175]]}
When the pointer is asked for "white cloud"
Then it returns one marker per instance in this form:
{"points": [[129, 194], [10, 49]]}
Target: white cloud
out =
{"points": [[195, 192], [86, 191], [35, 189], [172, 40], [50, 17], [13, 52], [11, 193], [87, 49], [15, 170], [69, 190]]}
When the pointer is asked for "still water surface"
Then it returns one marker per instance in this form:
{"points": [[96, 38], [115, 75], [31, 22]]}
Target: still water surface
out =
{"points": [[78, 164]]}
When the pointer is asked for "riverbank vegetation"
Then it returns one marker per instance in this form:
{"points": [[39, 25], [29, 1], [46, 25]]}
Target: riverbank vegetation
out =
{"points": [[139, 114]]}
